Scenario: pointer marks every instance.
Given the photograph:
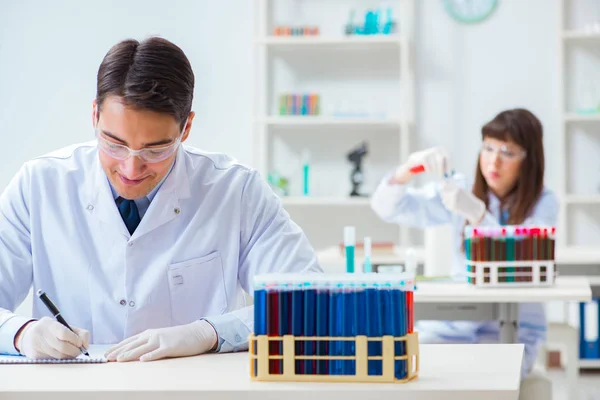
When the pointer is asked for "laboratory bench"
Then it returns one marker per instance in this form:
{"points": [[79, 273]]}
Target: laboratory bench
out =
{"points": [[448, 372]]}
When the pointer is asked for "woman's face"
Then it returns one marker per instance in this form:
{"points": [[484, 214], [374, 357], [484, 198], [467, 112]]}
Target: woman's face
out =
{"points": [[500, 163]]}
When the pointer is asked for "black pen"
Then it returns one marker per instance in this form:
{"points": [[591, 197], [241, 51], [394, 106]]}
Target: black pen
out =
{"points": [[56, 313]]}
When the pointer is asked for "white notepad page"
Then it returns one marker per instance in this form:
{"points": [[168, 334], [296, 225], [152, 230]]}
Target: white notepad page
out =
{"points": [[96, 356]]}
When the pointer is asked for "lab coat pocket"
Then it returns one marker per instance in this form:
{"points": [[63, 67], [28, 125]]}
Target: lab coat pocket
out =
{"points": [[197, 288]]}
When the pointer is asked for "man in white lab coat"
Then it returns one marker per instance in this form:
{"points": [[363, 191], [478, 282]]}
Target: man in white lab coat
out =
{"points": [[139, 241]]}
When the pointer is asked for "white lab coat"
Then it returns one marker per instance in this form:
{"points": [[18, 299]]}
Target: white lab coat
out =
{"points": [[423, 207], [211, 227]]}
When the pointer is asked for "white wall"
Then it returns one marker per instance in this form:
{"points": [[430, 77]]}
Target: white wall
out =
{"points": [[466, 74], [50, 52]]}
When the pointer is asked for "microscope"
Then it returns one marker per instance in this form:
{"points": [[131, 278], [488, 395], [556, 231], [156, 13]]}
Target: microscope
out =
{"points": [[356, 177]]}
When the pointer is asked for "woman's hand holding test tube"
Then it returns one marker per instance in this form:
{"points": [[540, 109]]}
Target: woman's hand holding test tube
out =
{"points": [[433, 161]]}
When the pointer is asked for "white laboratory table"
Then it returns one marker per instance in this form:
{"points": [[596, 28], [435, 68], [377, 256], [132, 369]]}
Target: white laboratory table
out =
{"points": [[463, 302], [566, 288], [448, 372], [460, 301]]}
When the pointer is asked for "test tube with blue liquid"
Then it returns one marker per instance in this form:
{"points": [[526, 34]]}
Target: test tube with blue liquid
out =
{"points": [[338, 306], [297, 317], [310, 330], [322, 326], [260, 316], [350, 244], [305, 172]]}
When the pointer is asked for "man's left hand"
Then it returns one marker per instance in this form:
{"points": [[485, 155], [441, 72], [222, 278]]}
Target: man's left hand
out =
{"points": [[177, 341]]}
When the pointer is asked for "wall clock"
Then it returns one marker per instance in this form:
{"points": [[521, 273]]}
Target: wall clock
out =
{"points": [[470, 11]]}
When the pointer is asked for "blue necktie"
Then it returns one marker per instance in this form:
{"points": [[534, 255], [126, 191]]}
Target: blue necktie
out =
{"points": [[504, 215], [129, 213]]}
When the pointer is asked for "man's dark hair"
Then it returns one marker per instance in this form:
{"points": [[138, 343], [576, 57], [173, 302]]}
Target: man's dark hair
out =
{"points": [[153, 75]]}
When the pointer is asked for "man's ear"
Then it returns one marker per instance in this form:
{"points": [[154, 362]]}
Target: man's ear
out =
{"points": [[95, 113], [188, 126]]}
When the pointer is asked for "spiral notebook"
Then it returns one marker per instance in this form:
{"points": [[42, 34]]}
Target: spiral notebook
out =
{"points": [[96, 357]]}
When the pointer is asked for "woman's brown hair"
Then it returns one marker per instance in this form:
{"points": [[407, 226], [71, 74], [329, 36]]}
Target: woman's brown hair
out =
{"points": [[525, 129]]}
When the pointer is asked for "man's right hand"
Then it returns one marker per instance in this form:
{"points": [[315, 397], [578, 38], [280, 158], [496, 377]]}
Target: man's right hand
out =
{"points": [[47, 338], [434, 161]]}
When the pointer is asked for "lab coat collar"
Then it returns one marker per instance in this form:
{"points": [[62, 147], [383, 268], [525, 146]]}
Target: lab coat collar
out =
{"points": [[493, 201], [164, 207], [495, 204], [496, 208]]}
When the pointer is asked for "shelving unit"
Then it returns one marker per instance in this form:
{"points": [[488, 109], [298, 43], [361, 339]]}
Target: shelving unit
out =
{"points": [[576, 50], [333, 64], [573, 38]]}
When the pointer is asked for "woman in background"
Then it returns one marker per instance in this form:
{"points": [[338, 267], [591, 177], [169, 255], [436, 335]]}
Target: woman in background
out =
{"points": [[508, 190]]}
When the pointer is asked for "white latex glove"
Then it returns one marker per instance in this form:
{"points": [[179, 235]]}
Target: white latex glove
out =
{"points": [[177, 341], [434, 160], [463, 203], [47, 338]]}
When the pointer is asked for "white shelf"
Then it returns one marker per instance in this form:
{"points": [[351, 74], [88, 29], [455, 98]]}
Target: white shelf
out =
{"points": [[574, 117], [316, 121], [578, 255], [581, 36], [325, 201], [370, 42], [583, 199], [591, 364], [594, 280]]}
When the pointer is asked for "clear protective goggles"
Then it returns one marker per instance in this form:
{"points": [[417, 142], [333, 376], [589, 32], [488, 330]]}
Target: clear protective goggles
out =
{"points": [[149, 155], [504, 153]]}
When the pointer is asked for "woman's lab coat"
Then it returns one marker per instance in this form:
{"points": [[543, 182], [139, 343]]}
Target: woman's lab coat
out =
{"points": [[421, 208], [211, 227]]}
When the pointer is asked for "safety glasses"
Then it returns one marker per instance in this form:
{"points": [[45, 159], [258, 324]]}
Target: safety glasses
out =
{"points": [[504, 153], [149, 155]]}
